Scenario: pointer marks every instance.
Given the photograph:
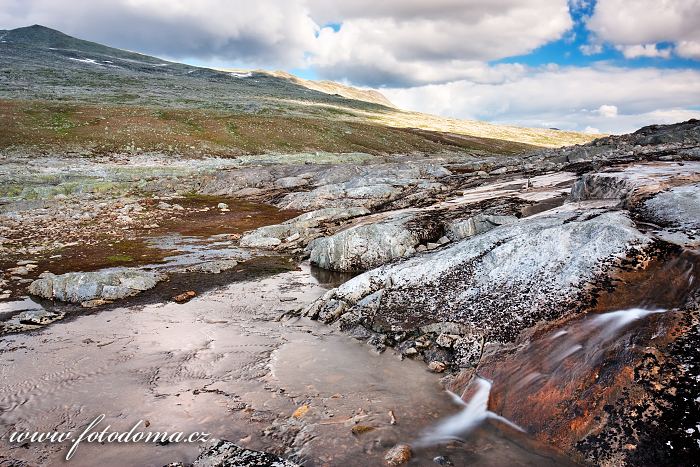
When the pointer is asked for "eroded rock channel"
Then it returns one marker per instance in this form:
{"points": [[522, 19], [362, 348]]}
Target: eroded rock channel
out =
{"points": [[538, 309]]}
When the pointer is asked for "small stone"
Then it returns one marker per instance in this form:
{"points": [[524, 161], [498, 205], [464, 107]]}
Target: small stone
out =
{"points": [[421, 248], [94, 303], [39, 317], [446, 340], [443, 240], [442, 460], [177, 207], [301, 411], [19, 271], [432, 246], [436, 367], [411, 351], [399, 454], [185, 296], [360, 429], [222, 206]]}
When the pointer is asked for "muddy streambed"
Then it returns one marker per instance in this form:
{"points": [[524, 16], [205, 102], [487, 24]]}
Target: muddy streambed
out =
{"points": [[222, 364]]}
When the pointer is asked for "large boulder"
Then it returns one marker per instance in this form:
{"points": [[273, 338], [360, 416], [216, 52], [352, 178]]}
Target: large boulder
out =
{"points": [[363, 246], [497, 283], [79, 287], [371, 244]]}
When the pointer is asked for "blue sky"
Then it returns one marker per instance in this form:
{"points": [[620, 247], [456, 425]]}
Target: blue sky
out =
{"points": [[597, 66]]}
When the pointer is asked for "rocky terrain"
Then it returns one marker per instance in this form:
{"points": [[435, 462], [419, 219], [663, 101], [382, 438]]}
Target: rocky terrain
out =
{"points": [[465, 262], [552, 290]]}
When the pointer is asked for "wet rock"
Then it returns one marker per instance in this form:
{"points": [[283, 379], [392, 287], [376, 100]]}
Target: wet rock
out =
{"points": [[226, 454], [436, 367], [442, 460], [77, 287], [361, 429], [398, 455]]}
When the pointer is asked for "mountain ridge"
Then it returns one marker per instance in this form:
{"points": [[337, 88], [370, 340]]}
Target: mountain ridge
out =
{"points": [[39, 64]]}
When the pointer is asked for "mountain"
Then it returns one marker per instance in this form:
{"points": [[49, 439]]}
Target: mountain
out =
{"points": [[57, 91]]}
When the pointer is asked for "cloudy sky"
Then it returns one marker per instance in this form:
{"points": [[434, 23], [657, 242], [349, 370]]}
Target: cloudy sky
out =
{"points": [[605, 65]]}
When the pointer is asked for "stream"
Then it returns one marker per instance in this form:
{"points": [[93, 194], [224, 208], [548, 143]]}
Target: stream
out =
{"points": [[227, 363]]}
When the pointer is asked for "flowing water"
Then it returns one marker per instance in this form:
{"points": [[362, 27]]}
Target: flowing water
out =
{"points": [[548, 388]]}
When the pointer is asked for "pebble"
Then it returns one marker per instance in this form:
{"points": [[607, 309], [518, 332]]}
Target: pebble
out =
{"points": [[399, 454], [185, 296], [436, 367]]}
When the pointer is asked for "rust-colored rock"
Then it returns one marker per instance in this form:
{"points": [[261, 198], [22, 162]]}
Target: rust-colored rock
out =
{"points": [[185, 296], [301, 411], [360, 429]]}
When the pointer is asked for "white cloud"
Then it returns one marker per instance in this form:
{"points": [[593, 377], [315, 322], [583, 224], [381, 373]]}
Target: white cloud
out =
{"points": [[608, 111], [591, 130], [645, 50], [437, 51], [688, 49], [637, 27], [414, 42], [566, 97], [591, 49], [380, 42], [254, 33]]}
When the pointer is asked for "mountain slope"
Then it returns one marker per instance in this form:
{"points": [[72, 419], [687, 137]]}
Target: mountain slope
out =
{"points": [[57, 91]]}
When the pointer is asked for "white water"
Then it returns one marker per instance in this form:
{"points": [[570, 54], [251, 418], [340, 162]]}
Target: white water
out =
{"points": [[474, 412], [587, 339]]}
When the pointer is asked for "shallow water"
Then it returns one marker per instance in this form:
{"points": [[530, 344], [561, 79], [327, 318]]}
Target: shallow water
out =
{"points": [[221, 364]]}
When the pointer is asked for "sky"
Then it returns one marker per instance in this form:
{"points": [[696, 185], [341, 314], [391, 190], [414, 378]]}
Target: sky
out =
{"points": [[606, 66]]}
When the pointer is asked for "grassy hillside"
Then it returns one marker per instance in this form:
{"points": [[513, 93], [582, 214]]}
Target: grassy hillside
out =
{"points": [[60, 92]]}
